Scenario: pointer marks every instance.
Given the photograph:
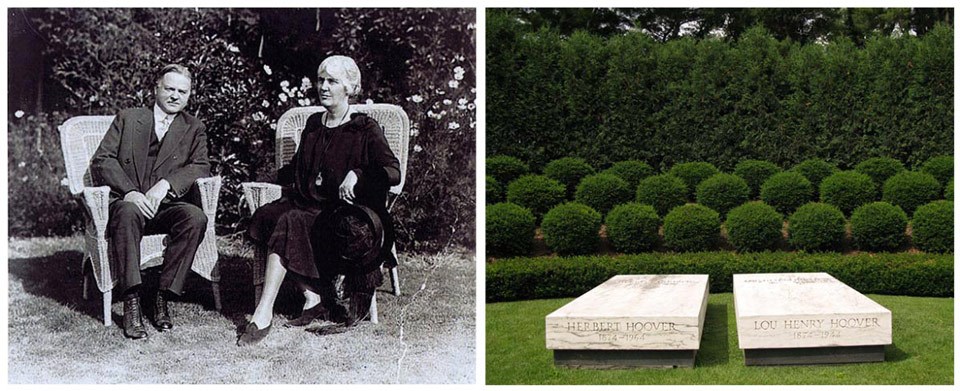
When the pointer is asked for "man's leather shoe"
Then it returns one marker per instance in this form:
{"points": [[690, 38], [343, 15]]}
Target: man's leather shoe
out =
{"points": [[252, 334], [161, 314], [133, 319], [318, 311]]}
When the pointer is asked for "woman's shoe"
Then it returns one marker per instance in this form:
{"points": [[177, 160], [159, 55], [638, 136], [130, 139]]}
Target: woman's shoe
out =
{"points": [[252, 334], [308, 316]]}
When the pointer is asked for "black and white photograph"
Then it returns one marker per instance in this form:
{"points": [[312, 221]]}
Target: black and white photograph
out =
{"points": [[241, 196]]}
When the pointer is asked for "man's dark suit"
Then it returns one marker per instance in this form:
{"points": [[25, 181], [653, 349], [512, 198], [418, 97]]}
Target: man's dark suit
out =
{"points": [[122, 162]]}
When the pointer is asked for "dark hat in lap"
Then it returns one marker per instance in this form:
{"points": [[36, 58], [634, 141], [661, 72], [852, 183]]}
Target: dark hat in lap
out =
{"points": [[348, 239]]}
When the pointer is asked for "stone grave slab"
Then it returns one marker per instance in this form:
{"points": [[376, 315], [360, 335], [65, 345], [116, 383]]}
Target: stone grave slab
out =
{"points": [[807, 318], [631, 321]]}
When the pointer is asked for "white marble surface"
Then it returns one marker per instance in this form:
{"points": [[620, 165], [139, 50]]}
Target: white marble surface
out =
{"points": [[633, 312], [801, 310]]}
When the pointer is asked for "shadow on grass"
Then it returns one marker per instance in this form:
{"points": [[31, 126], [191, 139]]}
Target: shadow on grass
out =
{"points": [[894, 353], [715, 344]]}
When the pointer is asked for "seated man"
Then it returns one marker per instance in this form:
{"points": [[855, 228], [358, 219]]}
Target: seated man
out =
{"points": [[150, 158]]}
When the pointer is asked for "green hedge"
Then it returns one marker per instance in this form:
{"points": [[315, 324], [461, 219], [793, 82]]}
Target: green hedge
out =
{"points": [[883, 273]]}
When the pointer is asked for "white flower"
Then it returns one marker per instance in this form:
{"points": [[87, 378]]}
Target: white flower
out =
{"points": [[273, 126], [417, 148], [453, 84], [414, 131], [416, 98], [22, 164], [447, 102], [65, 181], [93, 98], [236, 139], [283, 97], [266, 68], [305, 83], [458, 73], [265, 103], [233, 48], [304, 102], [453, 125], [369, 101], [473, 90], [471, 106], [19, 114], [284, 84]]}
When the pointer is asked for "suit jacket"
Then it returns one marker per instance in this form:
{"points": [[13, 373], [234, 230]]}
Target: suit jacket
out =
{"points": [[120, 161]]}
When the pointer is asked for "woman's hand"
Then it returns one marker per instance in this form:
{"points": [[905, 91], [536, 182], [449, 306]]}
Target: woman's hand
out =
{"points": [[346, 188]]}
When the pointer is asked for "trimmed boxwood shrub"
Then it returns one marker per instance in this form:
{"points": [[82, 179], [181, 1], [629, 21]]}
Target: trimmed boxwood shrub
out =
{"points": [[941, 167], [815, 170], [755, 172], [535, 192], [692, 174], [506, 169], [568, 171], [879, 169], [816, 227], [494, 191], [602, 192], [664, 192], [933, 227], [632, 171], [786, 191], [633, 227], [910, 189], [723, 192], [510, 229], [691, 227], [948, 192], [571, 228], [879, 226], [531, 278], [847, 190], [754, 226]]}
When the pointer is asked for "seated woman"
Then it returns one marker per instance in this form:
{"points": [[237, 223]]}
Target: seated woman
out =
{"points": [[343, 157]]}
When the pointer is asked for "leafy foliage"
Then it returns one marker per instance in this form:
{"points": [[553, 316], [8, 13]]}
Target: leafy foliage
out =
{"points": [[692, 174], [510, 229], [786, 191], [815, 170], [816, 227], [632, 171], [754, 226], [572, 228], [568, 171], [910, 189], [755, 172], [494, 190], [722, 192], [506, 169], [879, 169], [691, 227], [536, 192], [633, 227], [603, 191], [941, 167], [663, 192], [879, 226], [933, 227], [847, 190]]}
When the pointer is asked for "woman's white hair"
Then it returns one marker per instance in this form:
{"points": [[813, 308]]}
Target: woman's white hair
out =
{"points": [[345, 68]]}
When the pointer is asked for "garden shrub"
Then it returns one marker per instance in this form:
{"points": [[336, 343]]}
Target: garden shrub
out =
{"points": [[933, 227], [664, 192], [535, 192], [941, 167], [506, 169], [816, 227], [571, 228], [568, 171], [692, 173], [691, 227], [754, 226], [786, 191], [879, 226], [879, 169], [910, 189], [530, 278], [948, 192], [603, 191], [632, 171], [815, 170], [510, 229], [494, 191], [633, 227], [755, 172], [847, 190], [723, 192]]}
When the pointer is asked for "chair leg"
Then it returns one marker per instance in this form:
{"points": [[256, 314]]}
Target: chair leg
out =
{"points": [[107, 313], [395, 281], [257, 291], [215, 285], [86, 286], [373, 309]]}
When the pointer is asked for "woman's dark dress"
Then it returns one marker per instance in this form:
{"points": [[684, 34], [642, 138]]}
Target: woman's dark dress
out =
{"points": [[284, 226]]}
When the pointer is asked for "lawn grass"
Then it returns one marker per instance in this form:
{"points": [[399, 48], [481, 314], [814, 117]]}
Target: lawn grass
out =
{"points": [[426, 335], [922, 350]]}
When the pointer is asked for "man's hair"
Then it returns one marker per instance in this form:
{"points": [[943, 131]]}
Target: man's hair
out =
{"points": [[174, 68], [349, 68]]}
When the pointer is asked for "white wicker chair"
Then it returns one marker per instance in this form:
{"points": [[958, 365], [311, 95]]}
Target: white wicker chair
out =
{"points": [[396, 128], [79, 138]]}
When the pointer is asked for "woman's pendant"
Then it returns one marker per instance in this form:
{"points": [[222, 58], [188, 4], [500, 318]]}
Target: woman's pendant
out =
{"points": [[319, 180]]}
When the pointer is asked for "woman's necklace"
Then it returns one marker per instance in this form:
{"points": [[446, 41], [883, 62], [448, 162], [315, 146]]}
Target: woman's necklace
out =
{"points": [[329, 140], [326, 118]]}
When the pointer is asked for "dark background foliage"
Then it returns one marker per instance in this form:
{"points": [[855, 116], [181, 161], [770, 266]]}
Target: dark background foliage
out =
{"points": [[853, 85], [249, 67]]}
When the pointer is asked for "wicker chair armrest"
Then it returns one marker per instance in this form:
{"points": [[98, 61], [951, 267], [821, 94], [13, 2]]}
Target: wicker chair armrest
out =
{"points": [[209, 195], [258, 194], [97, 202]]}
